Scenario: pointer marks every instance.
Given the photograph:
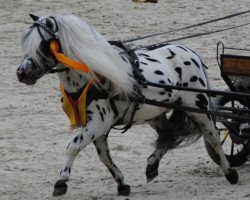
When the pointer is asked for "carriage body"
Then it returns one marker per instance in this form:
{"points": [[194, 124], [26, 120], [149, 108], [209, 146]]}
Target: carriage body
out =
{"points": [[235, 133]]}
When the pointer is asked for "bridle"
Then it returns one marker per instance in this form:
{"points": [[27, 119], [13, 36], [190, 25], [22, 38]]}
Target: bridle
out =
{"points": [[54, 48]]}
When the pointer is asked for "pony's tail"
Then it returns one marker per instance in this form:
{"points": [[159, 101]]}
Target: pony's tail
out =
{"points": [[178, 131]]}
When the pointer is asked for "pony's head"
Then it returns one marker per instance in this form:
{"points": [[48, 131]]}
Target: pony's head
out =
{"points": [[77, 42], [38, 59]]}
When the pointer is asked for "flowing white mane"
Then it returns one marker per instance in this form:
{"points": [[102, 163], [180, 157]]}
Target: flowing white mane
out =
{"points": [[81, 42]]}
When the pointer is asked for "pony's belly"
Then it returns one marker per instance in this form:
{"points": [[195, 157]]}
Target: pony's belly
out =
{"points": [[147, 112], [144, 114]]}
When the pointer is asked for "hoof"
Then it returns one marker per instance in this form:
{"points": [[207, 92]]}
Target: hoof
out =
{"points": [[123, 190], [151, 175], [232, 176], [60, 188], [152, 172]]}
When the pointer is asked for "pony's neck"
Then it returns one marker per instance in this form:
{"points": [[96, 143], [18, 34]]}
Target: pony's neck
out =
{"points": [[73, 80]]}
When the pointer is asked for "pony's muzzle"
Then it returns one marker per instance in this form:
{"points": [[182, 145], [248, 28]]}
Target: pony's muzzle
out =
{"points": [[24, 77]]}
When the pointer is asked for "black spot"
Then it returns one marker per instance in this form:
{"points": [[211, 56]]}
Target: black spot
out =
{"points": [[144, 63], [196, 64], [202, 102], [104, 111], [162, 93], [101, 116], [124, 59], [158, 72], [80, 76], [204, 65], [74, 83], [76, 139], [179, 71], [89, 118], [152, 60], [182, 48], [193, 78], [187, 63], [68, 79], [185, 84], [169, 80], [162, 82], [143, 54], [172, 54], [88, 112], [169, 94], [93, 137], [77, 84], [98, 107], [98, 151], [69, 170], [202, 82], [141, 70], [81, 138], [68, 146], [66, 168]]}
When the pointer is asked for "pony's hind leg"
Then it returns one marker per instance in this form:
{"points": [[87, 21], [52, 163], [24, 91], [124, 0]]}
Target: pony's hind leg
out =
{"points": [[166, 140], [212, 136], [104, 155]]}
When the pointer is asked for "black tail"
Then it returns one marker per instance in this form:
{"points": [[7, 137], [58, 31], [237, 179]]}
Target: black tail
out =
{"points": [[178, 131]]}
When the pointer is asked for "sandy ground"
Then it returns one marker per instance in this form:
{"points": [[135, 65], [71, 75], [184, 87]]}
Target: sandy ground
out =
{"points": [[34, 130]]}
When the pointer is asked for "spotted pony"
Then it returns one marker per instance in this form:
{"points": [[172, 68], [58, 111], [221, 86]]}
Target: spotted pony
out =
{"points": [[111, 70]]}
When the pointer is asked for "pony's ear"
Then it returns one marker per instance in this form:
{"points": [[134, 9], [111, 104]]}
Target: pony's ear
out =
{"points": [[34, 17]]}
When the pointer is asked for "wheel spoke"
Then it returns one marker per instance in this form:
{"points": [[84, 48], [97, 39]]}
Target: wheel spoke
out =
{"points": [[225, 136], [232, 149]]}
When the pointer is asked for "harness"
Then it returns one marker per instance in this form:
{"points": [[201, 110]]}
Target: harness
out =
{"points": [[75, 104]]}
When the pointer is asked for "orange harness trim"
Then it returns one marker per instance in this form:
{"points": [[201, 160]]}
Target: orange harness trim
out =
{"points": [[54, 47], [75, 109]]}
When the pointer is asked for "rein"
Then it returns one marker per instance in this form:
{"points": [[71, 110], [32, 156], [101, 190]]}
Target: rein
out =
{"points": [[187, 27], [152, 46]]}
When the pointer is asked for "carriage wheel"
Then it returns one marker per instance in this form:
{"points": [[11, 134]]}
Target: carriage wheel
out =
{"points": [[236, 149]]}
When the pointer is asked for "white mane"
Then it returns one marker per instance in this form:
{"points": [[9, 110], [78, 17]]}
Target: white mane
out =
{"points": [[82, 43]]}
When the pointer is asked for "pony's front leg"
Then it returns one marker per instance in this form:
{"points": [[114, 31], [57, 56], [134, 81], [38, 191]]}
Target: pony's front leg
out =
{"points": [[104, 155], [99, 122]]}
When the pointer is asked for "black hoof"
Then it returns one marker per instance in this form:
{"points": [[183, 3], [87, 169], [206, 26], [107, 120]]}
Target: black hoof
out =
{"points": [[123, 190], [232, 176], [152, 171], [60, 188], [151, 175]]}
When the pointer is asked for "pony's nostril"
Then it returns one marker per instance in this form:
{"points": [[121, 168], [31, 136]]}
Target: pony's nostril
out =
{"points": [[21, 74]]}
